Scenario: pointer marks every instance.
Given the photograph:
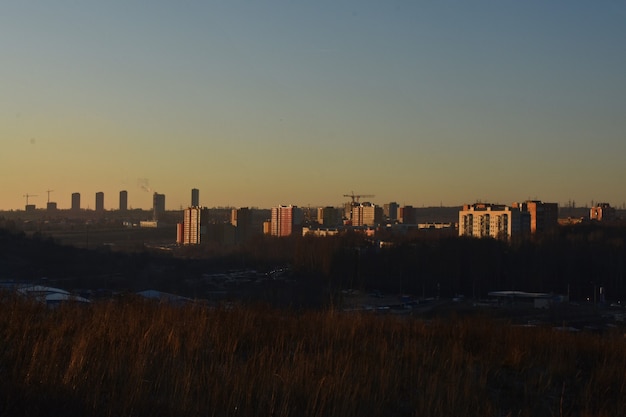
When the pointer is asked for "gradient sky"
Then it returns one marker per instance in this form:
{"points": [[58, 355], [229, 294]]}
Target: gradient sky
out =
{"points": [[260, 103]]}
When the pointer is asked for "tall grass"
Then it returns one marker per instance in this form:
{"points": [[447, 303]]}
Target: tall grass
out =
{"points": [[140, 358]]}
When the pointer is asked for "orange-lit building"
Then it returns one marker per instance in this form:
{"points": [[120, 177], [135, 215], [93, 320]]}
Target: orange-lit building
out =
{"points": [[543, 216], [602, 212], [366, 214], [193, 227], [284, 220]]}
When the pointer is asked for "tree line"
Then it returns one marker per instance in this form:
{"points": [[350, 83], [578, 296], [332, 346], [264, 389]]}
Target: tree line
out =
{"points": [[575, 260]]}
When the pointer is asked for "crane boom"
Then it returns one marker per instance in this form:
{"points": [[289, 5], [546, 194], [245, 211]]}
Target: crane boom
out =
{"points": [[357, 197], [27, 196]]}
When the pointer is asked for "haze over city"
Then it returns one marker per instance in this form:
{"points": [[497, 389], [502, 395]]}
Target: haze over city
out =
{"points": [[267, 103]]}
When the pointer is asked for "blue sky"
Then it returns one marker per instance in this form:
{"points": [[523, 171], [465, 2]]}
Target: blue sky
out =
{"points": [[284, 102]]}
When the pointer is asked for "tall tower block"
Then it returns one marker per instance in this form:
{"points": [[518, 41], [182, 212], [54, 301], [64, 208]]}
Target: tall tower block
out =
{"points": [[195, 197], [123, 200], [75, 201]]}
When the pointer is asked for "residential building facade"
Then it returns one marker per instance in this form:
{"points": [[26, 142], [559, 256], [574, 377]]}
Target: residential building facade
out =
{"points": [[543, 216], [193, 227], [602, 212], [489, 220], [366, 214], [284, 220]]}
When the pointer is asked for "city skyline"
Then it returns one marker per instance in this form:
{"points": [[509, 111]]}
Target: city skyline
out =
{"points": [[158, 202], [264, 104]]}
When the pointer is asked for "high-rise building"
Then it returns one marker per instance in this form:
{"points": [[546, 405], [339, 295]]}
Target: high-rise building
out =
{"points": [[99, 201], [158, 205], [329, 216], [194, 226], [51, 206], [75, 201], [195, 197], [390, 211], [241, 218], [407, 215], [123, 200], [602, 212], [489, 220], [285, 220], [347, 211], [543, 216], [366, 214]]}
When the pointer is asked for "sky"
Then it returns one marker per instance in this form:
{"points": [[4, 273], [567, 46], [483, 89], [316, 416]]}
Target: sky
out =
{"points": [[261, 103]]}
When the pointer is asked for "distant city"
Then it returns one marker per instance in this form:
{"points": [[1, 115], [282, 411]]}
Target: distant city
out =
{"points": [[196, 224]]}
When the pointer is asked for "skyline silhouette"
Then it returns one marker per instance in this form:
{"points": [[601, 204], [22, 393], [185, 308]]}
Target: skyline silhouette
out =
{"points": [[120, 201]]}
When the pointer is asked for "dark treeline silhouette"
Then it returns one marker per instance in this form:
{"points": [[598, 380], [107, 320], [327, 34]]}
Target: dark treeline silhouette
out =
{"points": [[576, 259], [573, 259]]}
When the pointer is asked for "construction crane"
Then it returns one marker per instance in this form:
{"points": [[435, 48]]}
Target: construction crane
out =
{"points": [[49, 191], [27, 196], [357, 197]]}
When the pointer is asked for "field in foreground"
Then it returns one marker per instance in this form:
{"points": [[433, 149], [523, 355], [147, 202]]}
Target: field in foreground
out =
{"points": [[134, 358]]}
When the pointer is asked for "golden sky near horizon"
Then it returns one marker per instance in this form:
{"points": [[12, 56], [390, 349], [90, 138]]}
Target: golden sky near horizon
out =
{"points": [[287, 103]]}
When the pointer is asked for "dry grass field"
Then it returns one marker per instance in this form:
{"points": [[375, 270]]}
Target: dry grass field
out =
{"points": [[137, 358]]}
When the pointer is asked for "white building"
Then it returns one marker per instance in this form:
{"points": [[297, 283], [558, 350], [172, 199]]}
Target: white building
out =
{"points": [[488, 220], [366, 214], [193, 226], [321, 231]]}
